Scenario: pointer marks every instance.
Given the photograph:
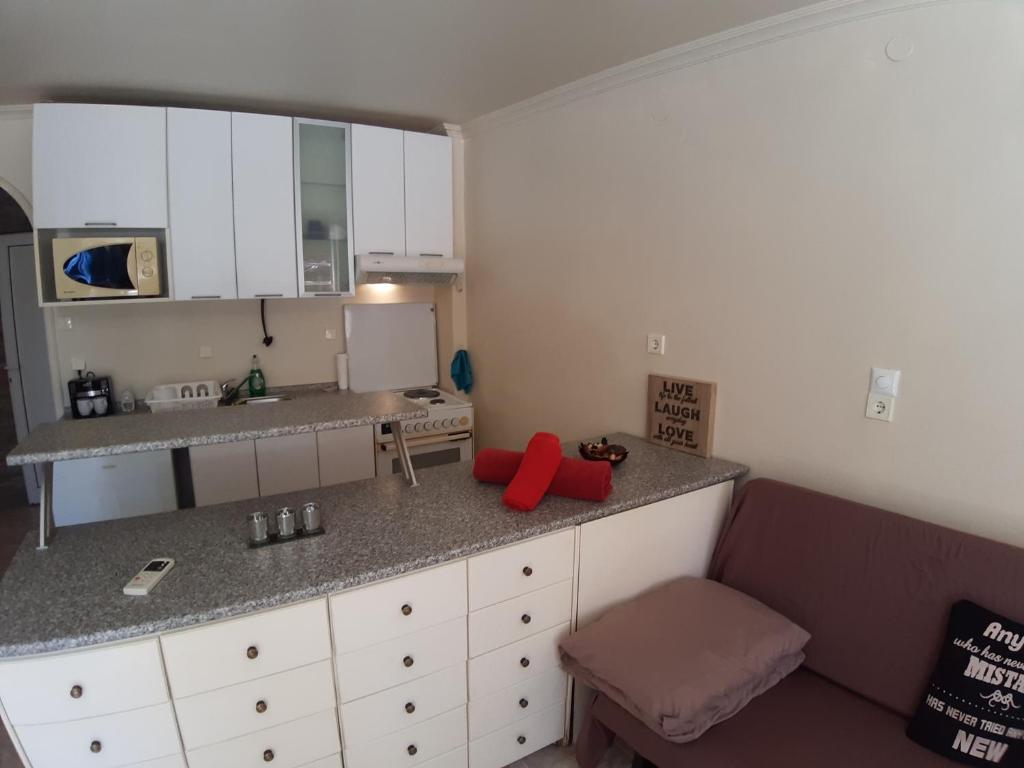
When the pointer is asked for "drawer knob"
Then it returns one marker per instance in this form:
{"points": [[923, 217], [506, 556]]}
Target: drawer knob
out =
{"points": [[411, 749], [261, 706], [525, 618], [524, 703], [527, 571], [76, 691], [524, 662], [96, 747], [408, 661], [406, 609], [410, 707], [252, 651], [268, 755], [521, 739]]}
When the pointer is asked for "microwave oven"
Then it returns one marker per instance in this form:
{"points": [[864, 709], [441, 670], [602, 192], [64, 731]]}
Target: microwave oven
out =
{"points": [[106, 267]]}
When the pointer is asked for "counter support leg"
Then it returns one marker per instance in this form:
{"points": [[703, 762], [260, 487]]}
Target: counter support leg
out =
{"points": [[46, 505], [403, 453]]}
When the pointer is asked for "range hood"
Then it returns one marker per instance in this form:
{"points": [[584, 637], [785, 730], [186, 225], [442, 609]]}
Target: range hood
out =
{"points": [[384, 268]]}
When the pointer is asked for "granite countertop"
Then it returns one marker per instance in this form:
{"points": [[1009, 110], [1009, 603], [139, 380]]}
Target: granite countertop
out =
{"points": [[70, 596], [311, 409]]}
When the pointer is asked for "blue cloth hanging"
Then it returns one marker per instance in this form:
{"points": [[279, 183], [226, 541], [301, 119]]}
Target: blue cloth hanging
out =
{"points": [[462, 371]]}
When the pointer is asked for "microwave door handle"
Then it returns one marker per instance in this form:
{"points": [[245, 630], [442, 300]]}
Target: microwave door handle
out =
{"points": [[133, 267]]}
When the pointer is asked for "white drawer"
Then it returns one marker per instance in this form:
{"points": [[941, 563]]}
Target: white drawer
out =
{"points": [[334, 761], [398, 661], [457, 758], [72, 686], [520, 617], [238, 650], [370, 615], [515, 663], [122, 739], [516, 741], [521, 568], [431, 738], [290, 745], [253, 706], [510, 705], [382, 713]]}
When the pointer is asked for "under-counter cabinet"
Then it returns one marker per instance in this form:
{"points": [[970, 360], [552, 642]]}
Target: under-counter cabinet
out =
{"points": [[287, 463], [101, 166], [263, 206], [323, 208], [201, 204], [345, 455], [224, 472], [110, 487]]}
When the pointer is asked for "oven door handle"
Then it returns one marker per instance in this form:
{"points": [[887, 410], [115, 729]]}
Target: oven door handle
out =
{"points": [[436, 440]]}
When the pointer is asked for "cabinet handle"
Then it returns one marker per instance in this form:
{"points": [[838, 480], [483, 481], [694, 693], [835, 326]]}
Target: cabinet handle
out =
{"points": [[408, 661], [525, 618], [100, 224], [268, 755], [410, 707], [524, 662], [76, 691], [96, 747], [524, 703], [436, 255], [411, 749], [406, 609], [211, 296], [527, 571], [261, 706], [267, 295], [382, 253], [521, 739], [252, 652]]}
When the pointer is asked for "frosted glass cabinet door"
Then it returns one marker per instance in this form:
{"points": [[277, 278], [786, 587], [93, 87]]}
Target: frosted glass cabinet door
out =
{"points": [[323, 208]]}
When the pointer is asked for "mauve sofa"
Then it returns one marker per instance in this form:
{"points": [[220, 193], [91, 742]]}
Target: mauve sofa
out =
{"points": [[874, 589]]}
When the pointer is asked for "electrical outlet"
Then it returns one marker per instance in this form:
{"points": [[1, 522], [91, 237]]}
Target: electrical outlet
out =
{"points": [[77, 364], [655, 344], [205, 352], [330, 333], [880, 407], [69, 325]]}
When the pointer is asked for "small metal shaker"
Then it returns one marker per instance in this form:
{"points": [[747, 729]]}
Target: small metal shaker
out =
{"points": [[258, 528], [285, 523], [311, 516]]}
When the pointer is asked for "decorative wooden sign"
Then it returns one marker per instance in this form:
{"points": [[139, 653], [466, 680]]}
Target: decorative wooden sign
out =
{"points": [[681, 414]]}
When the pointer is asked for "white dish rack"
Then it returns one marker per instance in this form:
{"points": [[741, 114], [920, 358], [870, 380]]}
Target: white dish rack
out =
{"points": [[186, 396]]}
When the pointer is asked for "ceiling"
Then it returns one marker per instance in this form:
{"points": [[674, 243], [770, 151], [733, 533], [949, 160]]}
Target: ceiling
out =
{"points": [[411, 63]]}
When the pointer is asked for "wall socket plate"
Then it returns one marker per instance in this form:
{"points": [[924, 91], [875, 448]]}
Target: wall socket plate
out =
{"points": [[655, 343], [880, 407], [885, 381]]}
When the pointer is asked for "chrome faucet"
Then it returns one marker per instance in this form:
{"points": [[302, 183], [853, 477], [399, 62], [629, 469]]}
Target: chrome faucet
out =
{"points": [[229, 392]]}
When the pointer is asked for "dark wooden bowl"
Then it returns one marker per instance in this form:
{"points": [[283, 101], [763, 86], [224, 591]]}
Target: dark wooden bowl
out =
{"points": [[613, 454]]}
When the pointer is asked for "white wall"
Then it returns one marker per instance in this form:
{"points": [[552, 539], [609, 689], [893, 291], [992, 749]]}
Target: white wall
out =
{"points": [[16, 154], [789, 215]]}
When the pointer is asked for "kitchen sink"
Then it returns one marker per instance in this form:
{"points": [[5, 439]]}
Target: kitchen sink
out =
{"points": [[263, 399]]}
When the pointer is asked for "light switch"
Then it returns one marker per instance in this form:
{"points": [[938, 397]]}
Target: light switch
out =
{"points": [[885, 381]]}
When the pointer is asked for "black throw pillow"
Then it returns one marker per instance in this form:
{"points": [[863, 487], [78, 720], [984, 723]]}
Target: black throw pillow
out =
{"points": [[973, 710]]}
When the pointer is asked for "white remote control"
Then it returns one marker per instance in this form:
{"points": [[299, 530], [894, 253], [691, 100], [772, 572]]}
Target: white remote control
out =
{"points": [[143, 582]]}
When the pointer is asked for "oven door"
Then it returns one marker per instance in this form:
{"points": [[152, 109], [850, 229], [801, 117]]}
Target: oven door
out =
{"points": [[432, 451]]}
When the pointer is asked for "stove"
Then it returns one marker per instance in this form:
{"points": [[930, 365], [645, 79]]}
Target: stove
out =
{"points": [[444, 436]]}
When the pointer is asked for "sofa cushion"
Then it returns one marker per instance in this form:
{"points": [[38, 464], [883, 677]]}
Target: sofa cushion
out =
{"points": [[973, 709], [873, 588], [803, 722], [685, 655]]}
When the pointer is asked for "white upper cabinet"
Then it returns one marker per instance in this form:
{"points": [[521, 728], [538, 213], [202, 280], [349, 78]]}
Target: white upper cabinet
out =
{"points": [[200, 200], [96, 165], [323, 210], [428, 195], [378, 196], [264, 206]]}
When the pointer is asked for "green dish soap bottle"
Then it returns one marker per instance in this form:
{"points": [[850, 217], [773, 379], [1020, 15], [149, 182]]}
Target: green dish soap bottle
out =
{"points": [[257, 382]]}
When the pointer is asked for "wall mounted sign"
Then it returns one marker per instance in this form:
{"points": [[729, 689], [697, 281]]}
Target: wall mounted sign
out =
{"points": [[681, 414]]}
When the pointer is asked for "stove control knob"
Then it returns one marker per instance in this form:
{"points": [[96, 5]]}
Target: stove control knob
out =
{"points": [[437, 424], [464, 420], [417, 427], [407, 428]]}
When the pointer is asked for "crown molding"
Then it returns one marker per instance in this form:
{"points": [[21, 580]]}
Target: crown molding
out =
{"points": [[15, 111], [812, 18]]}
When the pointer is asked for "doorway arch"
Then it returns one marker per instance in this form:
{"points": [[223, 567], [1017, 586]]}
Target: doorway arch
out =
{"points": [[12, 201]]}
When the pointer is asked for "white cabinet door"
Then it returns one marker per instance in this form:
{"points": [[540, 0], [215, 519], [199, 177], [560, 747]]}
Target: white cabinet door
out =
{"points": [[378, 199], [345, 455], [112, 487], [264, 206], [99, 165], [428, 195], [224, 472], [201, 207], [287, 463]]}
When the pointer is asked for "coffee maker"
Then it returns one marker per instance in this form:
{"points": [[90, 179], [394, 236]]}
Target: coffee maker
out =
{"points": [[91, 396]]}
